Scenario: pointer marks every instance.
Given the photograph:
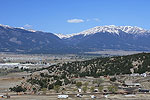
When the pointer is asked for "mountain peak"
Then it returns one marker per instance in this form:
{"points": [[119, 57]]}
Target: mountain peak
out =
{"points": [[107, 28], [114, 29], [7, 26], [133, 29]]}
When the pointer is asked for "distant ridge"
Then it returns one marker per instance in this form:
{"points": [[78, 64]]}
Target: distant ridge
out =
{"points": [[99, 38], [108, 28], [20, 40], [110, 37]]}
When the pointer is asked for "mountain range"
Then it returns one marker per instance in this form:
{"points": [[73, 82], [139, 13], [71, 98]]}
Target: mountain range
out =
{"points": [[111, 37]]}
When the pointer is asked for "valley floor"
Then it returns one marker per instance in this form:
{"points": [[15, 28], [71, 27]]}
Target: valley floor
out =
{"points": [[85, 97]]}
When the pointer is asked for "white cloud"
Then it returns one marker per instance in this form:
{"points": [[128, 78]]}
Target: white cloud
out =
{"points": [[75, 21], [27, 26], [96, 19], [88, 20], [81, 20]]}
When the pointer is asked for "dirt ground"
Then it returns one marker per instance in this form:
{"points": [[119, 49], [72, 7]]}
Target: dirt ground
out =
{"points": [[85, 97], [11, 80], [35, 97]]}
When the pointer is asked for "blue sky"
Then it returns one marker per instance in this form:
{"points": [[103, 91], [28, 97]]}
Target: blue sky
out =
{"points": [[72, 16]]}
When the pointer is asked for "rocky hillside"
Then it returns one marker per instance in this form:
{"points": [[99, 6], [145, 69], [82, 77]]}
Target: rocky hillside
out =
{"points": [[137, 63], [63, 74]]}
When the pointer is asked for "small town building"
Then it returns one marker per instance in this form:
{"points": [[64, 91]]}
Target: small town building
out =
{"points": [[144, 90], [95, 90], [62, 96], [79, 90], [1, 96], [144, 74], [131, 84], [93, 96], [79, 95]]}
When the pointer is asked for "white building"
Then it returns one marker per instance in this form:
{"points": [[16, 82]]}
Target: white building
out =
{"points": [[62, 96], [13, 65], [144, 74], [93, 96], [79, 90]]}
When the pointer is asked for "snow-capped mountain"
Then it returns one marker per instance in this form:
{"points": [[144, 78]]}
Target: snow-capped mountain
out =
{"points": [[20, 40], [108, 28], [110, 37], [7, 26], [28, 41]]}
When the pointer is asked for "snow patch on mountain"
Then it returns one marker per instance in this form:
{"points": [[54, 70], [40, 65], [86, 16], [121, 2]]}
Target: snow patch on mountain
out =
{"points": [[133, 30], [65, 35], [107, 28], [7, 26]]}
